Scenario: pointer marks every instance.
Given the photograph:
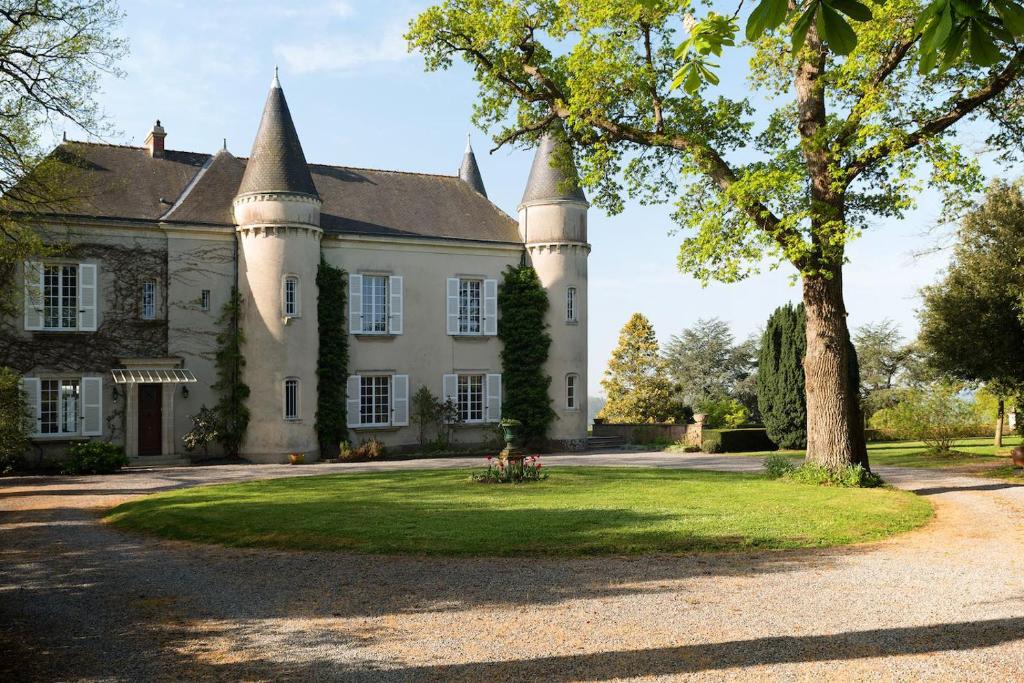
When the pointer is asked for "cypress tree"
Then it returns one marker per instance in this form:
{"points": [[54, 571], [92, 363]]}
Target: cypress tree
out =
{"points": [[525, 341], [780, 377], [781, 396], [332, 362]]}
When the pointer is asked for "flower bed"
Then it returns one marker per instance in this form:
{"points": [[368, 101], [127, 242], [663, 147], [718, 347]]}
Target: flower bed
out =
{"points": [[511, 471]]}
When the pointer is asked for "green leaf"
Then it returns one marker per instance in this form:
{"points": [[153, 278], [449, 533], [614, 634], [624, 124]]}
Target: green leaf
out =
{"points": [[954, 45], [983, 50], [837, 33], [1012, 15], [853, 9], [928, 13], [693, 82], [937, 32], [767, 15], [802, 25], [927, 61], [964, 9]]}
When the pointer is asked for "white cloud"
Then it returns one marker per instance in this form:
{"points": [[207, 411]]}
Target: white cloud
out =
{"points": [[343, 53]]}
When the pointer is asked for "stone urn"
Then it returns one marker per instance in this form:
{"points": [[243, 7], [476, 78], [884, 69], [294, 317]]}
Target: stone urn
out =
{"points": [[1017, 455], [512, 431]]}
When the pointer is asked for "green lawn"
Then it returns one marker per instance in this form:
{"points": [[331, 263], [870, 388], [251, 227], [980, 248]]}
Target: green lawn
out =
{"points": [[915, 454], [578, 511]]}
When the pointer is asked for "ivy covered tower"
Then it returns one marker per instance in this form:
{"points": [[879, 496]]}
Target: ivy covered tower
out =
{"points": [[277, 211], [553, 224]]}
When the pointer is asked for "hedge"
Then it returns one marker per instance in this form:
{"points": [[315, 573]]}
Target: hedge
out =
{"points": [[736, 440]]}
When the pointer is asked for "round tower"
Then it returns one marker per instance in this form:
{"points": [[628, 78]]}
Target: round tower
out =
{"points": [[553, 224], [277, 214]]}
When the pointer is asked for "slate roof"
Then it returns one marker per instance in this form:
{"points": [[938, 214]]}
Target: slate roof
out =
{"points": [[549, 182], [469, 172], [277, 163], [126, 183]]}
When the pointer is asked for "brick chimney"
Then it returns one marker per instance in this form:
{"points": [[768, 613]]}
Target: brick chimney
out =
{"points": [[155, 141]]}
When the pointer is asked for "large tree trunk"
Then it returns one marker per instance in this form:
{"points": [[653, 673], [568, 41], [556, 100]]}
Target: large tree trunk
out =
{"points": [[1000, 411], [835, 425]]}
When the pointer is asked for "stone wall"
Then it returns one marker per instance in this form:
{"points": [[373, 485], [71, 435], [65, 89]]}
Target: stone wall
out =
{"points": [[646, 432]]}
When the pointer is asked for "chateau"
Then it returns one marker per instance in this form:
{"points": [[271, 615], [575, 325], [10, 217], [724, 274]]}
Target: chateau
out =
{"points": [[119, 333]]}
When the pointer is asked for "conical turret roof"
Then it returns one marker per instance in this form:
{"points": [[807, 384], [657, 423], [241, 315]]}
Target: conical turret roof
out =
{"points": [[469, 172], [277, 163], [548, 182]]}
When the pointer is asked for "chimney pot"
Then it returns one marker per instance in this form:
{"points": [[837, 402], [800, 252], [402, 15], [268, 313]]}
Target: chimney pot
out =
{"points": [[155, 141]]}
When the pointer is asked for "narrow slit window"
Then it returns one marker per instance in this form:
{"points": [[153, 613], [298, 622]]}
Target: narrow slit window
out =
{"points": [[571, 382], [291, 297], [149, 300], [204, 300], [291, 399], [571, 305]]}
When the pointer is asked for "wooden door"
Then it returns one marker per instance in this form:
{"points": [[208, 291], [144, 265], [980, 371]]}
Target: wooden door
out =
{"points": [[150, 419]]}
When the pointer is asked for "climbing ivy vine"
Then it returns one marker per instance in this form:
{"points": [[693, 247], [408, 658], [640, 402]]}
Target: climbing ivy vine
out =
{"points": [[525, 345], [332, 363], [232, 392]]}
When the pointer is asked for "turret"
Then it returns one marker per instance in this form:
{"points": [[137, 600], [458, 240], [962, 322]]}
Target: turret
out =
{"points": [[469, 172], [277, 213], [553, 224]]}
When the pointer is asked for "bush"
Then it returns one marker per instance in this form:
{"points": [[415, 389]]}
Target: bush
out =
{"points": [[94, 457], [205, 430], [14, 421], [777, 466], [935, 415], [854, 476], [735, 440], [723, 413], [371, 449]]}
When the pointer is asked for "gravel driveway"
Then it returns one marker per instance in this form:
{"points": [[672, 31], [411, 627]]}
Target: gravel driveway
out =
{"points": [[80, 601]]}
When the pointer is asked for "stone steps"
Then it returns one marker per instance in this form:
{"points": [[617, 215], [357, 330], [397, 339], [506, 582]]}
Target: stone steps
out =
{"points": [[159, 461], [597, 443]]}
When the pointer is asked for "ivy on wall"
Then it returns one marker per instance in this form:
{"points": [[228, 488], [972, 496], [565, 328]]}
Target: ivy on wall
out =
{"points": [[525, 345], [232, 413], [332, 363]]}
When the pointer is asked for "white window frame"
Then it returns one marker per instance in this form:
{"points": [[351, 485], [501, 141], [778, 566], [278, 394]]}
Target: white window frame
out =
{"points": [[204, 299], [467, 320], [375, 382], [572, 389], [466, 381], [374, 321], [572, 304], [59, 408], [57, 310], [295, 384], [294, 304], [75, 303], [149, 300]]}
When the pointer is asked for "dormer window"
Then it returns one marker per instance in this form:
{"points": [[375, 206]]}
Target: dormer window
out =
{"points": [[290, 296]]}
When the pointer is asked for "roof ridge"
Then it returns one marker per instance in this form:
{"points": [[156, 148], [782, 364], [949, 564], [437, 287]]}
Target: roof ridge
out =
{"points": [[389, 170]]}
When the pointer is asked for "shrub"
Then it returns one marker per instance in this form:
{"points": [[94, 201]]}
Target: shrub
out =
{"points": [[14, 421], [370, 449], [854, 476], [735, 440], [510, 472], [934, 415], [723, 413], [777, 466], [94, 457], [205, 430]]}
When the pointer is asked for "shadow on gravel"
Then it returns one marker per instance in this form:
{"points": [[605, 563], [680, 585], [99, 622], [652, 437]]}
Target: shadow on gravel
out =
{"points": [[934, 491]]}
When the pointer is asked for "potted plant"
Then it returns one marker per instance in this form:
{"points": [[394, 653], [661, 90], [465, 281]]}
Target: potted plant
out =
{"points": [[296, 458]]}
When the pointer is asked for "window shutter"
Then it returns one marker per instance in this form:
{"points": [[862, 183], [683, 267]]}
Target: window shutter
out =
{"points": [[493, 398], [450, 389], [395, 318], [453, 305], [92, 406], [355, 386], [30, 385], [355, 303], [400, 400], [87, 297], [490, 307], [33, 296]]}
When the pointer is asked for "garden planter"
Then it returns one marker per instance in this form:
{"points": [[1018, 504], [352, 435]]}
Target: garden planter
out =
{"points": [[1017, 455], [296, 458]]}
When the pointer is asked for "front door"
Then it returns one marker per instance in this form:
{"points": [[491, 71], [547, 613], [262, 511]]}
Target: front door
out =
{"points": [[150, 419]]}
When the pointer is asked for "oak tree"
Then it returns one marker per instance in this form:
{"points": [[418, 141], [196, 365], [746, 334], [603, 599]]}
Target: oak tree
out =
{"points": [[856, 122]]}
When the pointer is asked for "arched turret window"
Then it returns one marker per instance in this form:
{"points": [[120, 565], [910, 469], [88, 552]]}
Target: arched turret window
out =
{"points": [[290, 296]]}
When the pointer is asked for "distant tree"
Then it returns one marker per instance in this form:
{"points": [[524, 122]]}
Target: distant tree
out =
{"points": [[884, 359], [972, 322], [635, 383], [705, 362], [52, 53], [934, 414], [14, 421], [780, 378]]}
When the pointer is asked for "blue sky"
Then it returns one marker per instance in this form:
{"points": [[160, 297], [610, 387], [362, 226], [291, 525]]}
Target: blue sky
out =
{"points": [[359, 99]]}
